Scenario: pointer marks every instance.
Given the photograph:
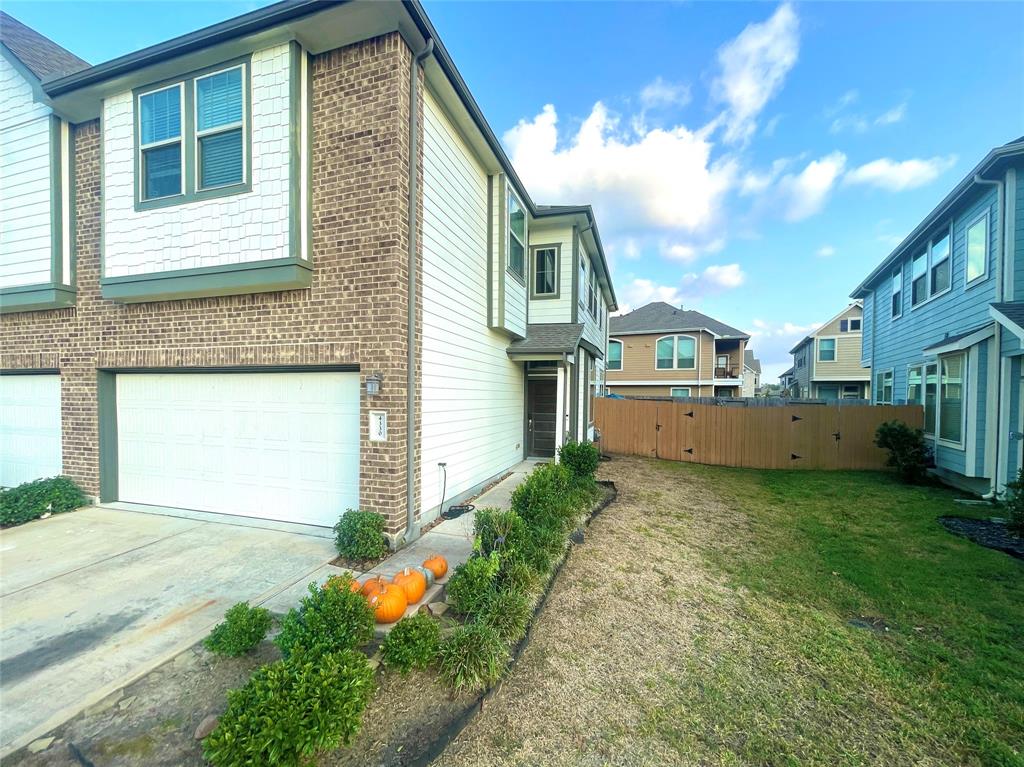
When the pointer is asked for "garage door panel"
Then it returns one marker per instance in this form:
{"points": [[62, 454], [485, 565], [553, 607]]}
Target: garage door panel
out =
{"points": [[30, 428], [274, 445]]}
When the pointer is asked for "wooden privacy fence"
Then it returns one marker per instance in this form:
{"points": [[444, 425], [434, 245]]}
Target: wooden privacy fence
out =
{"points": [[786, 437]]}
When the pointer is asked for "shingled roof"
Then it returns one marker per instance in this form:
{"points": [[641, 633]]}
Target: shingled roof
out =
{"points": [[40, 55], [751, 361], [660, 317]]}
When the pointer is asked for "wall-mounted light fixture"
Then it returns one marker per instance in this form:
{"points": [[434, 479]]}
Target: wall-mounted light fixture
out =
{"points": [[373, 382]]}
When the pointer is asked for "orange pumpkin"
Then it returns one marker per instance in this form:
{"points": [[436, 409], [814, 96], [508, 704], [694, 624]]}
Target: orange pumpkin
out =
{"points": [[413, 582], [372, 585], [338, 582], [389, 603], [438, 565]]}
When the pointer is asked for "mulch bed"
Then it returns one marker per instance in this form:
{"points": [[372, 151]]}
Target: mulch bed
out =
{"points": [[986, 532]]}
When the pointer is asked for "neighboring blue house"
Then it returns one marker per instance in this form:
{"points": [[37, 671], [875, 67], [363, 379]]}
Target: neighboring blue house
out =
{"points": [[944, 323]]}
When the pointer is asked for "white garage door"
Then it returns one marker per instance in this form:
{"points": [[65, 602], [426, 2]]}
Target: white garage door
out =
{"points": [[281, 446], [29, 428]]}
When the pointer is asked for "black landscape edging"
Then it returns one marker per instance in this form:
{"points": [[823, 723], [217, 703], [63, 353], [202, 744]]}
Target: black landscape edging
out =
{"points": [[459, 723], [985, 532]]}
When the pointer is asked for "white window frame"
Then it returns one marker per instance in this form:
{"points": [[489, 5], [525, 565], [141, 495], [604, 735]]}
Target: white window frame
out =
{"points": [[180, 140], [592, 292], [219, 129], [860, 325], [970, 283], [930, 265], [675, 351], [897, 272], [835, 349], [537, 250], [964, 378], [879, 391], [583, 280], [622, 346], [673, 389], [524, 275]]}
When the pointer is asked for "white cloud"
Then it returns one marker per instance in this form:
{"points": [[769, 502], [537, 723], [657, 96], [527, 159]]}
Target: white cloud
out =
{"points": [[662, 178], [858, 122], [825, 251], [639, 292], [805, 193], [755, 182], [771, 342], [724, 276], [892, 116], [897, 176], [847, 99], [661, 93], [679, 252], [714, 279], [753, 68]]}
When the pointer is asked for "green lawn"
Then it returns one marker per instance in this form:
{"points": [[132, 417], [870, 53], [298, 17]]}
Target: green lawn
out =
{"points": [[846, 545]]}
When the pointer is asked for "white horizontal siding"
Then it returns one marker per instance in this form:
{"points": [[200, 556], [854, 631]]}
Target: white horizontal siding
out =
{"points": [[226, 230], [554, 309], [472, 397], [591, 331], [25, 233]]}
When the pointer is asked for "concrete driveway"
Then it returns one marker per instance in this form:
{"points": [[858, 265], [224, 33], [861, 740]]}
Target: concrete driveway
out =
{"points": [[91, 600]]}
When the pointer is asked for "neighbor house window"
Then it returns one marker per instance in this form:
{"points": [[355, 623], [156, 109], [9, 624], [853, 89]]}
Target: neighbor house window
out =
{"points": [[160, 147], [826, 350], [193, 137], [545, 272], [219, 112], [516, 236], [854, 325], [676, 352], [615, 355], [951, 397], [897, 292], [844, 326], [851, 391], [932, 270], [679, 391], [977, 248]]}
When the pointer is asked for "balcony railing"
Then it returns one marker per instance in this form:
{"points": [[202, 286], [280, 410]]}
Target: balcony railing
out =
{"points": [[732, 373]]}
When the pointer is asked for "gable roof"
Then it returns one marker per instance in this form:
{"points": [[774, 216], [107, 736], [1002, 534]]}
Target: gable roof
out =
{"points": [[856, 303], [751, 361], [660, 317], [996, 157], [39, 55]]}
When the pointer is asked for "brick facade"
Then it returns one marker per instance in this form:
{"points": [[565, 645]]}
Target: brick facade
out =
{"points": [[354, 313]]}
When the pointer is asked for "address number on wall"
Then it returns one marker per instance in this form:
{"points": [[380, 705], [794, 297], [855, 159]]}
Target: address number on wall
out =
{"points": [[378, 426]]}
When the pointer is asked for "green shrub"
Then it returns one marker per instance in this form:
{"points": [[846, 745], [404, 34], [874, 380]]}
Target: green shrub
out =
{"points": [[241, 630], [1014, 502], [472, 583], [581, 458], [542, 498], [908, 453], [328, 620], [501, 531], [359, 536], [472, 658], [412, 643], [31, 500], [508, 613], [516, 574], [292, 710]]}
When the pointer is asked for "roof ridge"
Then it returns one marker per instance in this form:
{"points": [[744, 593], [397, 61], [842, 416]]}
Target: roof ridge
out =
{"points": [[40, 55]]}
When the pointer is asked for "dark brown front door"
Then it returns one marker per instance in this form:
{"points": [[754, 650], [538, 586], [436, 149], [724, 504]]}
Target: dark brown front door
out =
{"points": [[541, 399]]}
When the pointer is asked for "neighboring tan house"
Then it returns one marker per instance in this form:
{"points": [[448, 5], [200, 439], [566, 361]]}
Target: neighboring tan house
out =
{"points": [[239, 274], [664, 351], [826, 363], [751, 374], [944, 324]]}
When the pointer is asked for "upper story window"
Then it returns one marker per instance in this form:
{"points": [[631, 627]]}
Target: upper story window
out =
{"points": [[545, 272], [931, 270], [827, 349], [676, 353], [583, 281], [897, 292], [615, 355], [849, 326], [516, 236], [977, 248], [193, 137], [592, 293]]}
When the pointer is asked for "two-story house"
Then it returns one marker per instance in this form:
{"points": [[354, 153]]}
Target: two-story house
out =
{"points": [[666, 351], [751, 374], [944, 321], [826, 363], [278, 268]]}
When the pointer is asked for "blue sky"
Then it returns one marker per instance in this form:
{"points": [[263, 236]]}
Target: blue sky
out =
{"points": [[750, 160]]}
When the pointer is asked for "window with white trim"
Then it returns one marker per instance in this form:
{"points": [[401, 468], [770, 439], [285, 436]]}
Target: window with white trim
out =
{"points": [[161, 151], [676, 353], [679, 391], [932, 270], [883, 387], [592, 293], [516, 226], [615, 355], [952, 370], [897, 291], [855, 325], [220, 154], [545, 272], [826, 350], [977, 248], [583, 281]]}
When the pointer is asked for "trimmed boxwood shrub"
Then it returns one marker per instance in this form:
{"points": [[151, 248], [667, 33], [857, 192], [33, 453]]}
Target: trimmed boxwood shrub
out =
{"points": [[359, 536], [581, 458], [908, 452], [292, 710], [471, 585], [473, 657], [31, 500], [412, 643], [327, 620], [241, 630], [508, 613], [501, 531]]}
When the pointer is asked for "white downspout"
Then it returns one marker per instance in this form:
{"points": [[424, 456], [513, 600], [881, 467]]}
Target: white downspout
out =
{"points": [[1002, 407]]}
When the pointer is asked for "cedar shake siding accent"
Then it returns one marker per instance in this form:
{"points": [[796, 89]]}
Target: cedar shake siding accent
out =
{"points": [[354, 313]]}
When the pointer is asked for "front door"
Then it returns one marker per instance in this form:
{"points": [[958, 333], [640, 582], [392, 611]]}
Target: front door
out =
{"points": [[541, 407]]}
